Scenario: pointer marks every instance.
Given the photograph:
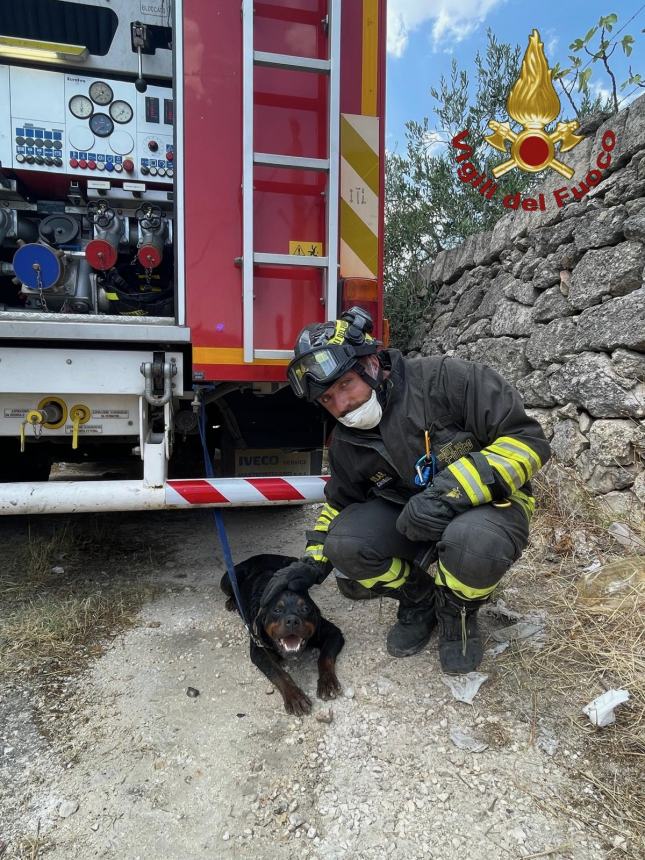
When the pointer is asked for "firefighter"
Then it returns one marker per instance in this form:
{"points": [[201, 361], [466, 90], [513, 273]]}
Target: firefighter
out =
{"points": [[430, 461]]}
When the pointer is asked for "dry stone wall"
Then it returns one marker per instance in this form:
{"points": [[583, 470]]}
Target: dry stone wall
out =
{"points": [[555, 301]]}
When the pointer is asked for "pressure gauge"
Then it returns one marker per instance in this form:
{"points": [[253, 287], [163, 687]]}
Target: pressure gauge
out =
{"points": [[81, 107], [101, 125], [101, 93], [121, 111]]}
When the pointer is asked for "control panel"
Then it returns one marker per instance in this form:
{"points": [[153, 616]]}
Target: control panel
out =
{"points": [[67, 123]]}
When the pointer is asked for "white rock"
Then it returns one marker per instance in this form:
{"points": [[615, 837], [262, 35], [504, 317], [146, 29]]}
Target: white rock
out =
{"points": [[67, 808], [384, 686], [626, 537]]}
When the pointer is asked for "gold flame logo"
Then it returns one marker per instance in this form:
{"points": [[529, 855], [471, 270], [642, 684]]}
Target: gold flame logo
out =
{"points": [[533, 103]]}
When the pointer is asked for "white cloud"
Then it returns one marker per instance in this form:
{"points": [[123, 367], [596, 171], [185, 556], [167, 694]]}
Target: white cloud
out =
{"points": [[435, 142], [597, 89], [551, 47], [452, 21]]}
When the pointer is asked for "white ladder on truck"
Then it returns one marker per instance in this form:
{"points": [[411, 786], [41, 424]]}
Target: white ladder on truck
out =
{"points": [[250, 158]]}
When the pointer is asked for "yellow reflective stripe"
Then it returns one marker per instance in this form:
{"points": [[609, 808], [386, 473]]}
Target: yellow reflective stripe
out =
{"points": [[394, 576], [526, 502], [521, 460], [522, 463], [465, 480], [519, 447], [339, 331], [325, 517], [315, 551], [470, 466], [447, 579], [509, 471]]}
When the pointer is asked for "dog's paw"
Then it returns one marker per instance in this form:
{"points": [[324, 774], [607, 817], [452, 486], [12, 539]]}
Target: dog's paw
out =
{"points": [[296, 702], [328, 686], [230, 604]]}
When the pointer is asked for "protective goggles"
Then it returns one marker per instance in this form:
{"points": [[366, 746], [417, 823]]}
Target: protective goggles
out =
{"points": [[311, 373]]}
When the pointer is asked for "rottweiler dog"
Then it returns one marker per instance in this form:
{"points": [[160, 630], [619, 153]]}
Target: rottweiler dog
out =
{"points": [[288, 625]]}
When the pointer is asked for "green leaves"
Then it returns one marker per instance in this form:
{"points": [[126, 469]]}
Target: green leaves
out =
{"points": [[608, 22], [595, 46], [583, 80]]}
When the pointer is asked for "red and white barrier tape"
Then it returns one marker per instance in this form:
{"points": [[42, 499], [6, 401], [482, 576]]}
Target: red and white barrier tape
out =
{"points": [[245, 491]]}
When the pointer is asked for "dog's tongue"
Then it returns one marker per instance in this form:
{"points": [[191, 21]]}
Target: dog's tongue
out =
{"points": [[291, 643]]}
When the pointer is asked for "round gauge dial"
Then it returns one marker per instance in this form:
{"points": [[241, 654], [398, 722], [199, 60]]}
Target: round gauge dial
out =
{"points": [[81, 107], [121, 111], [101, 93], [101, 125]]}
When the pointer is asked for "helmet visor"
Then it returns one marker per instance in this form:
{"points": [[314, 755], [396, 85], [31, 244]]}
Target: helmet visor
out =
{"points": [[320, 367]]}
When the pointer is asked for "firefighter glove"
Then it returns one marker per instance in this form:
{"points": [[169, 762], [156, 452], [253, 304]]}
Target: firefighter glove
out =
{"points": [[297, 576], [425, 516], [428, 513]]}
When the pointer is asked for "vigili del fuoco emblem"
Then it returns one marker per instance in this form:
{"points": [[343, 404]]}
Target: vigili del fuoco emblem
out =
{"points": [[533, 103]]}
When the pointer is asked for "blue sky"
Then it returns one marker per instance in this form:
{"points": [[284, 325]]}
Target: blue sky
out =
{"points": [[424, 36]]}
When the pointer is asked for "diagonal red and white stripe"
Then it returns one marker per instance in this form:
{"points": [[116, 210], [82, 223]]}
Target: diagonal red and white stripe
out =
{"points": [[215, 492]]}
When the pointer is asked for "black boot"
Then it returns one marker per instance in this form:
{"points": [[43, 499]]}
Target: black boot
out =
{"points": [[416, 615], [460, 645], [353, 590]]}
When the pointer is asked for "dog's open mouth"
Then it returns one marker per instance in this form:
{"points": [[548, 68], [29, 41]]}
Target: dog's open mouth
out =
{"points": [[291, 644]]}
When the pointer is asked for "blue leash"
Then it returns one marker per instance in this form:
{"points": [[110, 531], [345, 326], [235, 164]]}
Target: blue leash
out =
{"points": [[221, 529]]}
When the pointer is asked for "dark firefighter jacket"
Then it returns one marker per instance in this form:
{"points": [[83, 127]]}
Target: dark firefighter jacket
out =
{"points": [[486, 447]]}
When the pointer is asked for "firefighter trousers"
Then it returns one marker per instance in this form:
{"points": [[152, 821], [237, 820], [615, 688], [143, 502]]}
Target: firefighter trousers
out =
{"points": [[475, 550]]}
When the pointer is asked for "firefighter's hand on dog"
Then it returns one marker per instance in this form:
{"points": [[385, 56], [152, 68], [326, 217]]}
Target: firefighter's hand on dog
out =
{"points": [[298, 576]]}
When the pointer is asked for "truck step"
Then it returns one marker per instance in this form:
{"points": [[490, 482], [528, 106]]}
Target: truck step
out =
{"points": [[289, 260], [294, 161], [289, 61]]}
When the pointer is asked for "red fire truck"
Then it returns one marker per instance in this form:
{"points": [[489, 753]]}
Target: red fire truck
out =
{"points": [[183, 186]]}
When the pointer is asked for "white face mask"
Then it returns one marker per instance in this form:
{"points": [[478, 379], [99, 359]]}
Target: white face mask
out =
{"points": [[366, 416]]}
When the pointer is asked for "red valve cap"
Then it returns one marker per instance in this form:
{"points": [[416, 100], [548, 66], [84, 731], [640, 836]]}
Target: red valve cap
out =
{"points": [[149, 256], [101, 255]]}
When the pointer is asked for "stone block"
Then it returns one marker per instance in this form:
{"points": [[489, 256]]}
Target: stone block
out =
{"points": [[551, 342], [616, 323], [551, 305], [590, 381], [608, 271], [504, 354]]}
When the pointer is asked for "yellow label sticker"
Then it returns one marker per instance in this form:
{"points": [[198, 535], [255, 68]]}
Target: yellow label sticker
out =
{"points": [[306, 249]]}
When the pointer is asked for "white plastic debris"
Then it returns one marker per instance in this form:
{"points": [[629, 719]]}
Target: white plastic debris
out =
{"points": [[601, 710], [496, 650], [521, 630], [464, 688], [464, 741]]}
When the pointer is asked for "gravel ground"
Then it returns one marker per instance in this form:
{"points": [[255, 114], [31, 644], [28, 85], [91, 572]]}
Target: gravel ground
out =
{"points": [[119, 762]]}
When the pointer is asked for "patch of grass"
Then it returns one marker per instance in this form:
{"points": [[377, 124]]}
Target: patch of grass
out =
{"points": [[590, 648], [60, 626], [63, 591]]}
